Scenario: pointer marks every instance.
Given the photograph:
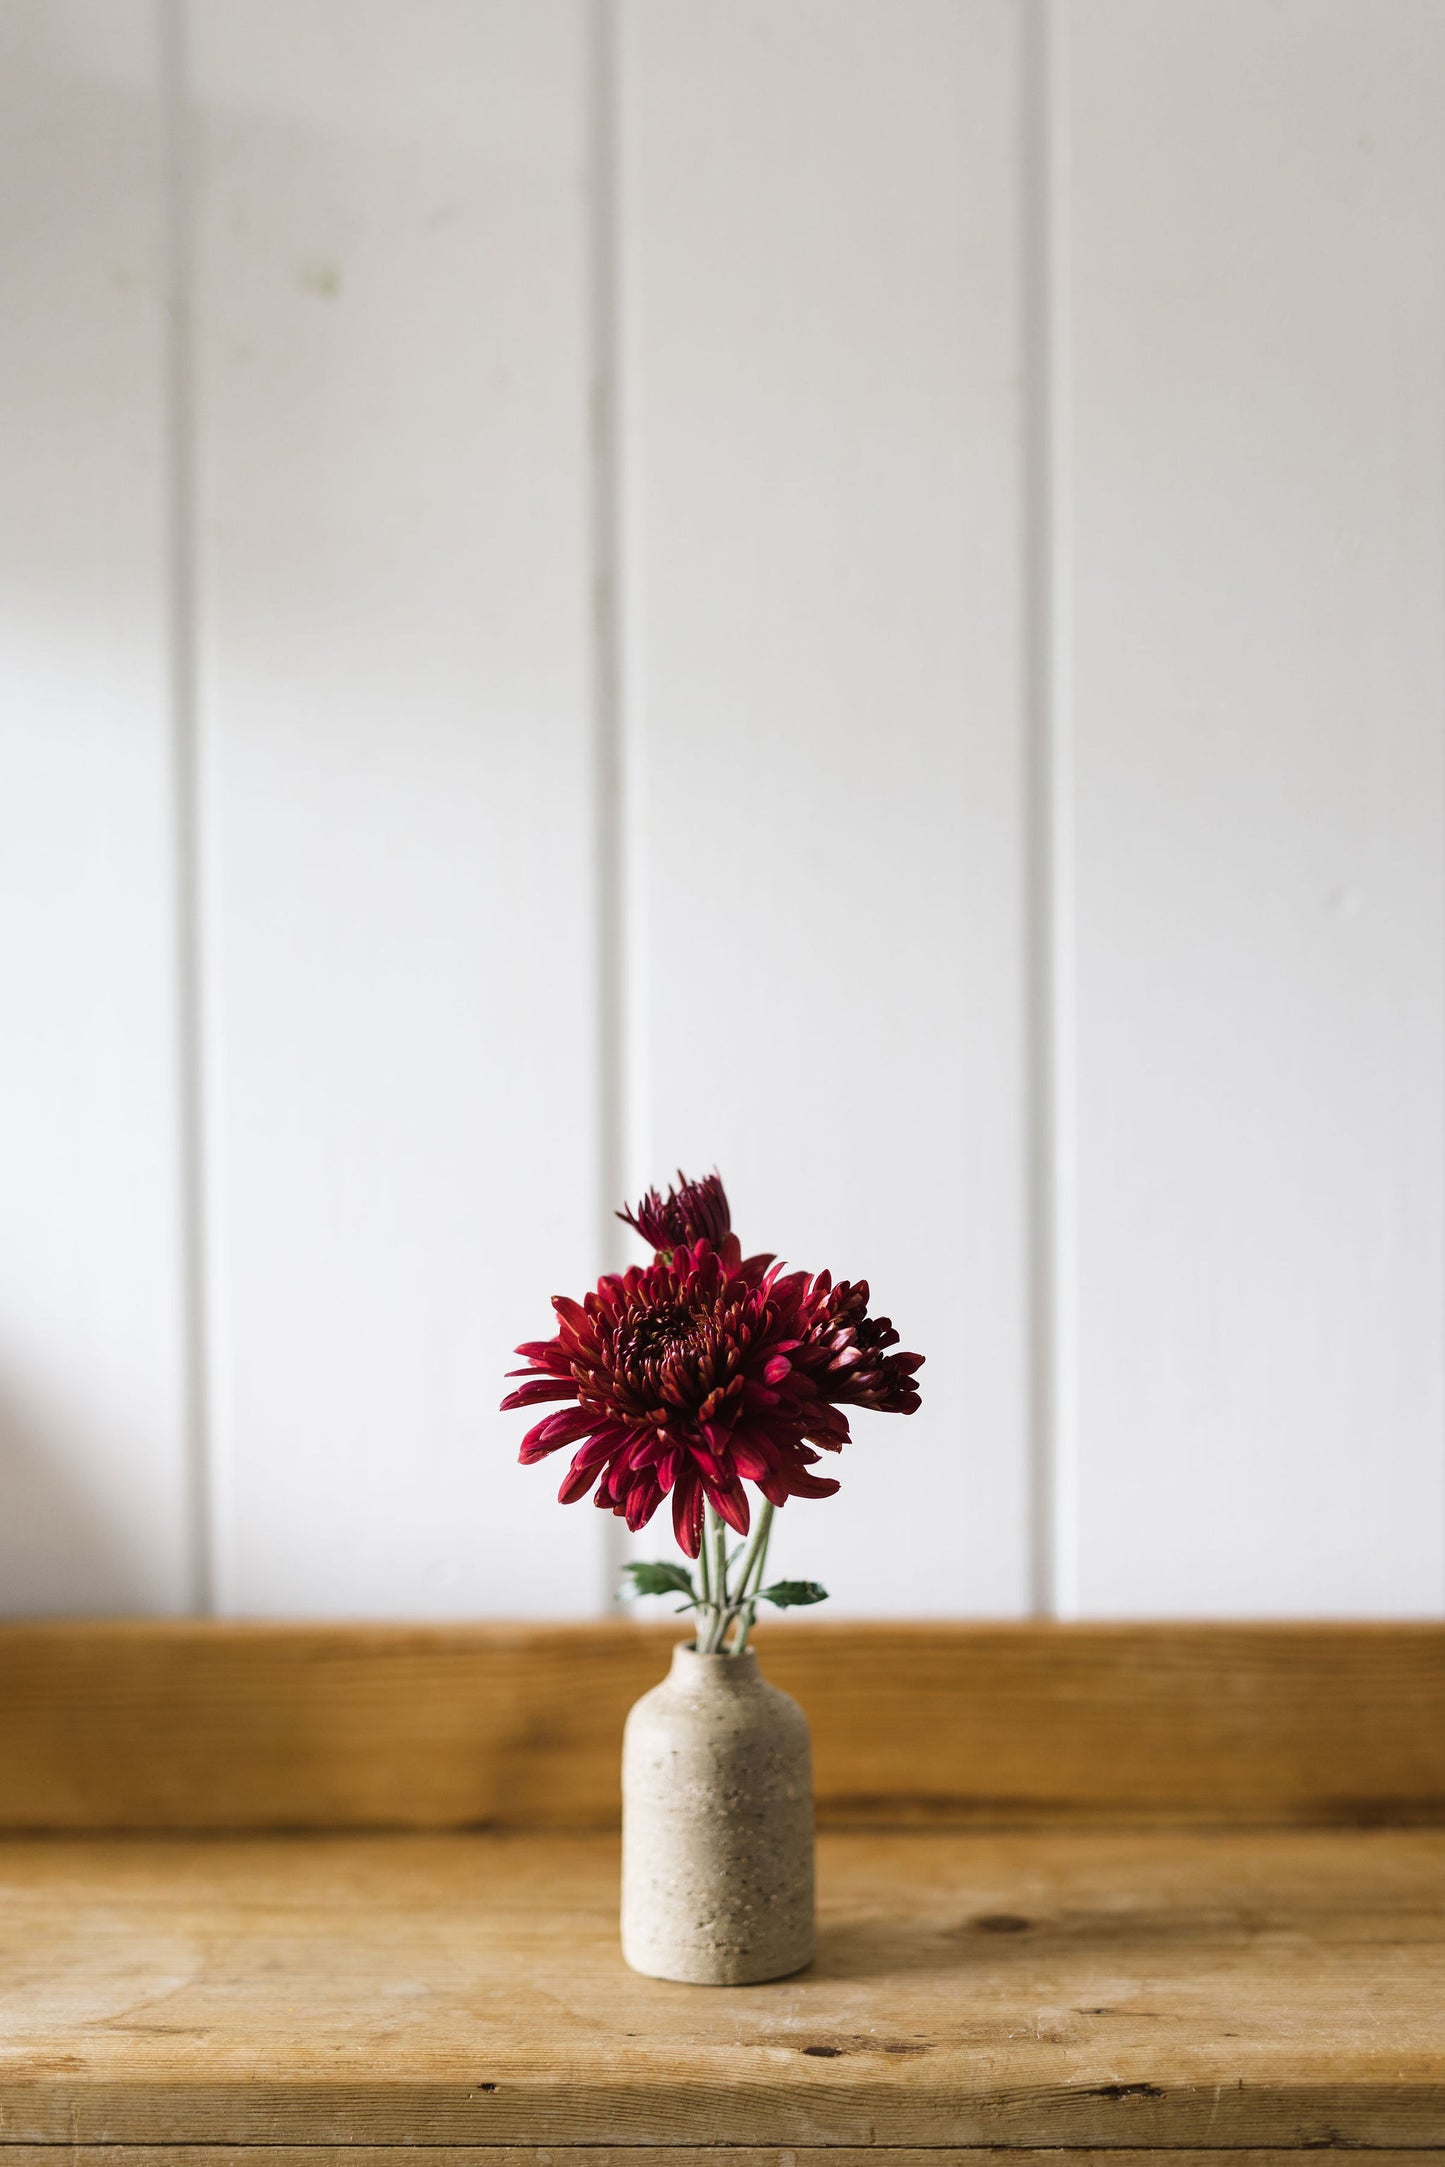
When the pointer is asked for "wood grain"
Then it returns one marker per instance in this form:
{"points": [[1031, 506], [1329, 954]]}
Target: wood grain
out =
{"points": [[667, 2155], [94, 1488], [821, 241], [1263, 1988], [1256, 676], [210, 1726], [391, 397]]}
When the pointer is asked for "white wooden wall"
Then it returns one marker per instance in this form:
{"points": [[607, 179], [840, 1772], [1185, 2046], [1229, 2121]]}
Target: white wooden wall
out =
{"points": [[849, 588]]}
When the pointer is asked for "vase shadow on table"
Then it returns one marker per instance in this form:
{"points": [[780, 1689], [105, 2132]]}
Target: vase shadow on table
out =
{"points": [[889, 1948], [996, 1939]]}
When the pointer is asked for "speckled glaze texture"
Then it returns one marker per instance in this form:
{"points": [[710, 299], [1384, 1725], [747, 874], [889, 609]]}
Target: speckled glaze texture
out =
{"points": [[717, 1826]]}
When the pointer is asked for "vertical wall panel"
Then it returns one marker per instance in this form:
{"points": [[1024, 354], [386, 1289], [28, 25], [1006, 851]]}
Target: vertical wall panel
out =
{"points": [[93, 1480], [1257, 297], [821, 325], [393, 476], [822, 523]]}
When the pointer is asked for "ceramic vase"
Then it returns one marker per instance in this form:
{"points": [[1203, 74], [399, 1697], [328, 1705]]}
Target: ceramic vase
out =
{"points": [[717, 1826]]}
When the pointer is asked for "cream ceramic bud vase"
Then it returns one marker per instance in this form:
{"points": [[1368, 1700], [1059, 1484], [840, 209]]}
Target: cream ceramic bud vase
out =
{"points": [[717, 1826]]}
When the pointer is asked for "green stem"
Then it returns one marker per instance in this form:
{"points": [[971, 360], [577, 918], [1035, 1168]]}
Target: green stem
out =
{"points": [[715, 1533], [758, 1542], [708, 1625], [704, 1598], [753, 1572], [743, 1574]]}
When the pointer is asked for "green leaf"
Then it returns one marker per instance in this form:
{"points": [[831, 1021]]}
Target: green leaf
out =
{"points": [[658, 1580], [791, 1594]]}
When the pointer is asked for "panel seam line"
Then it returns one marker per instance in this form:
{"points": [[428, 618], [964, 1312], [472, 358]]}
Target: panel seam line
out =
{"points": [[1052, 1391], [608, 778], [180, 545]]}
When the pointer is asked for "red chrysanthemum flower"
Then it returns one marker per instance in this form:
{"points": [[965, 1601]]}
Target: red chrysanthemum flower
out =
{"points": [[696, 1211], [701, 1372], [843, 1353]]}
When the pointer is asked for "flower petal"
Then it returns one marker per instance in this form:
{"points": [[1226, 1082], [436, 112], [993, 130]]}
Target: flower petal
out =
{"points": [[542, 1388], [559, 1429], [687, 1512], [577, 1481], [732, 1504]]}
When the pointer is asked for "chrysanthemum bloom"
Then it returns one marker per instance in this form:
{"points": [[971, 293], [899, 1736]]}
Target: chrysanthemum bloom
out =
{"points": [[696, 1212], [701, 1372]]}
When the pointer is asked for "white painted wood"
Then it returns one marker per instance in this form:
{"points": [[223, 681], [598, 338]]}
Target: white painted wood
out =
{"points": [[93, 1478], [828, 314], [393, 462], [1257, 296], [821, 451]]}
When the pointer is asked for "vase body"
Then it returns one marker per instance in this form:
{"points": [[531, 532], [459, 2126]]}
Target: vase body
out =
{"points": [[717, 1826]]}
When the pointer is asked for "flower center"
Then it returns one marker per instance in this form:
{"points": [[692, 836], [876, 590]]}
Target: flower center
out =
{"points": [[658, 1333]]}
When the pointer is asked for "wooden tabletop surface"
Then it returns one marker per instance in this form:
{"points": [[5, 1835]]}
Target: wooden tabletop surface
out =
{"points": [[1276, 1988]]}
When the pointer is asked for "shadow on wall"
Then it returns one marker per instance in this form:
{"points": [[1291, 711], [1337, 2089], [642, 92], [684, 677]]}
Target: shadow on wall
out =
{"points": [[60, 1550]]}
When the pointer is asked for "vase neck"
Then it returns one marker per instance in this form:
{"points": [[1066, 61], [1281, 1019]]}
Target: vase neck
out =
{"points": [[713, 1674]]}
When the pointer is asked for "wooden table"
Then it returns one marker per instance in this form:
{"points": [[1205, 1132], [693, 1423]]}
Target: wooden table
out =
{"points": [[1189, 1989]]}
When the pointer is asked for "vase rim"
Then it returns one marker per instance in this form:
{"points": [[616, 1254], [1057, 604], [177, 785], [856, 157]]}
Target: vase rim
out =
{"points": [[687, 1656]]}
